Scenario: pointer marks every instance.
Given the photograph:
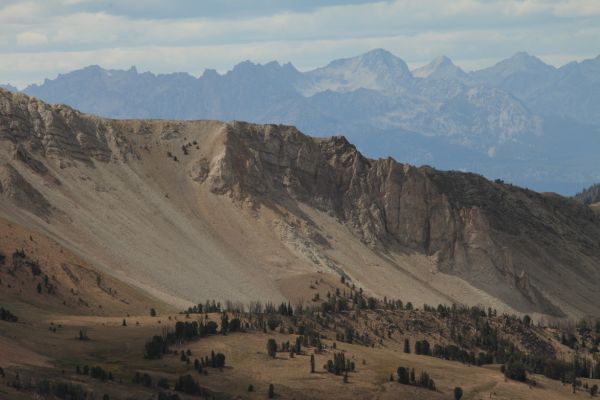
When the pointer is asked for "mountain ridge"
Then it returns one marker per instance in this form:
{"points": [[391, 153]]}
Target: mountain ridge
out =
{"points": [[199, 204]]}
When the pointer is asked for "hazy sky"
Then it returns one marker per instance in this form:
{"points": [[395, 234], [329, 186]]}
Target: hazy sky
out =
{"points": [[41, 38]]}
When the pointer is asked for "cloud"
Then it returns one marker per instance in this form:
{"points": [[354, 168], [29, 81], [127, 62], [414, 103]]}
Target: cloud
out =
{"points": [[20, 11], [31, 38]]}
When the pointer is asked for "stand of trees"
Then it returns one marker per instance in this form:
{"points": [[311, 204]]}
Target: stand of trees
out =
{"points": [[142, 379], [339, 364], [184, 331], [95, 372], [61, 390], [407, 376], [515, 370], [186, 384], [422, 347], [477, 335], [502, 351]]}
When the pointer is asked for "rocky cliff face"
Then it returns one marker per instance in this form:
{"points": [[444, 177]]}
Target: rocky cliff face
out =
{"points": [[533, 252], [487, 233], [52, 130]]}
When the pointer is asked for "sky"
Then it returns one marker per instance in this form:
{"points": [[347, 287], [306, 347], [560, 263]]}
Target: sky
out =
{"points": [[42, 38]]}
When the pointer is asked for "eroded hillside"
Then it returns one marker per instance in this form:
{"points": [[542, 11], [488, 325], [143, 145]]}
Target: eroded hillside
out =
{"points": [[204, 209]]}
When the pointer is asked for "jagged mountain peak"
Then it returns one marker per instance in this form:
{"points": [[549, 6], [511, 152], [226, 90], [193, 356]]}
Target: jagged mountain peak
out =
{"points": [[587, 70], [271, 65], [521, 62], [440, 67], [375, 70], [524, 56], [521, 75], [377, 59], [442, 60], [271, 70], [379, 56]]}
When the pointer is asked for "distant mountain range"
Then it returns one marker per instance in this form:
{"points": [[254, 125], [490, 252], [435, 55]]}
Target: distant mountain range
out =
{"points": [[8, 87], [520, 120]]}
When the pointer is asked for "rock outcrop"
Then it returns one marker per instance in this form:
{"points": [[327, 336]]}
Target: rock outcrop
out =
{"points": [[53, 130]]}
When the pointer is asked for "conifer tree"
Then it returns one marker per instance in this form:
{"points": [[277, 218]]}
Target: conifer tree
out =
{"points": [[271, 391], [458, 393], [403, 375], [272, 347]]}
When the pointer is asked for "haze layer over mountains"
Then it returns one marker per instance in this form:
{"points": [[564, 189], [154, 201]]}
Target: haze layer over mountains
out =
{"points": [[521, 120]]}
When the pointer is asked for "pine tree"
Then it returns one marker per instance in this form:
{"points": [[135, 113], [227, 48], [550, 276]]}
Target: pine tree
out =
{"points": [[271, 391], [298, 346], [458, 393], [272, 347], [403, 375], [224, 323], [312, 363], [219, 360]]}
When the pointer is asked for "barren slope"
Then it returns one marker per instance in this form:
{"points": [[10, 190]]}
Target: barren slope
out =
{"points": [[204, 209]]}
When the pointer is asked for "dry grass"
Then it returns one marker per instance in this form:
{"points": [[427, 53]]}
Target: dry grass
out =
{"points": [[119, 349]]}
